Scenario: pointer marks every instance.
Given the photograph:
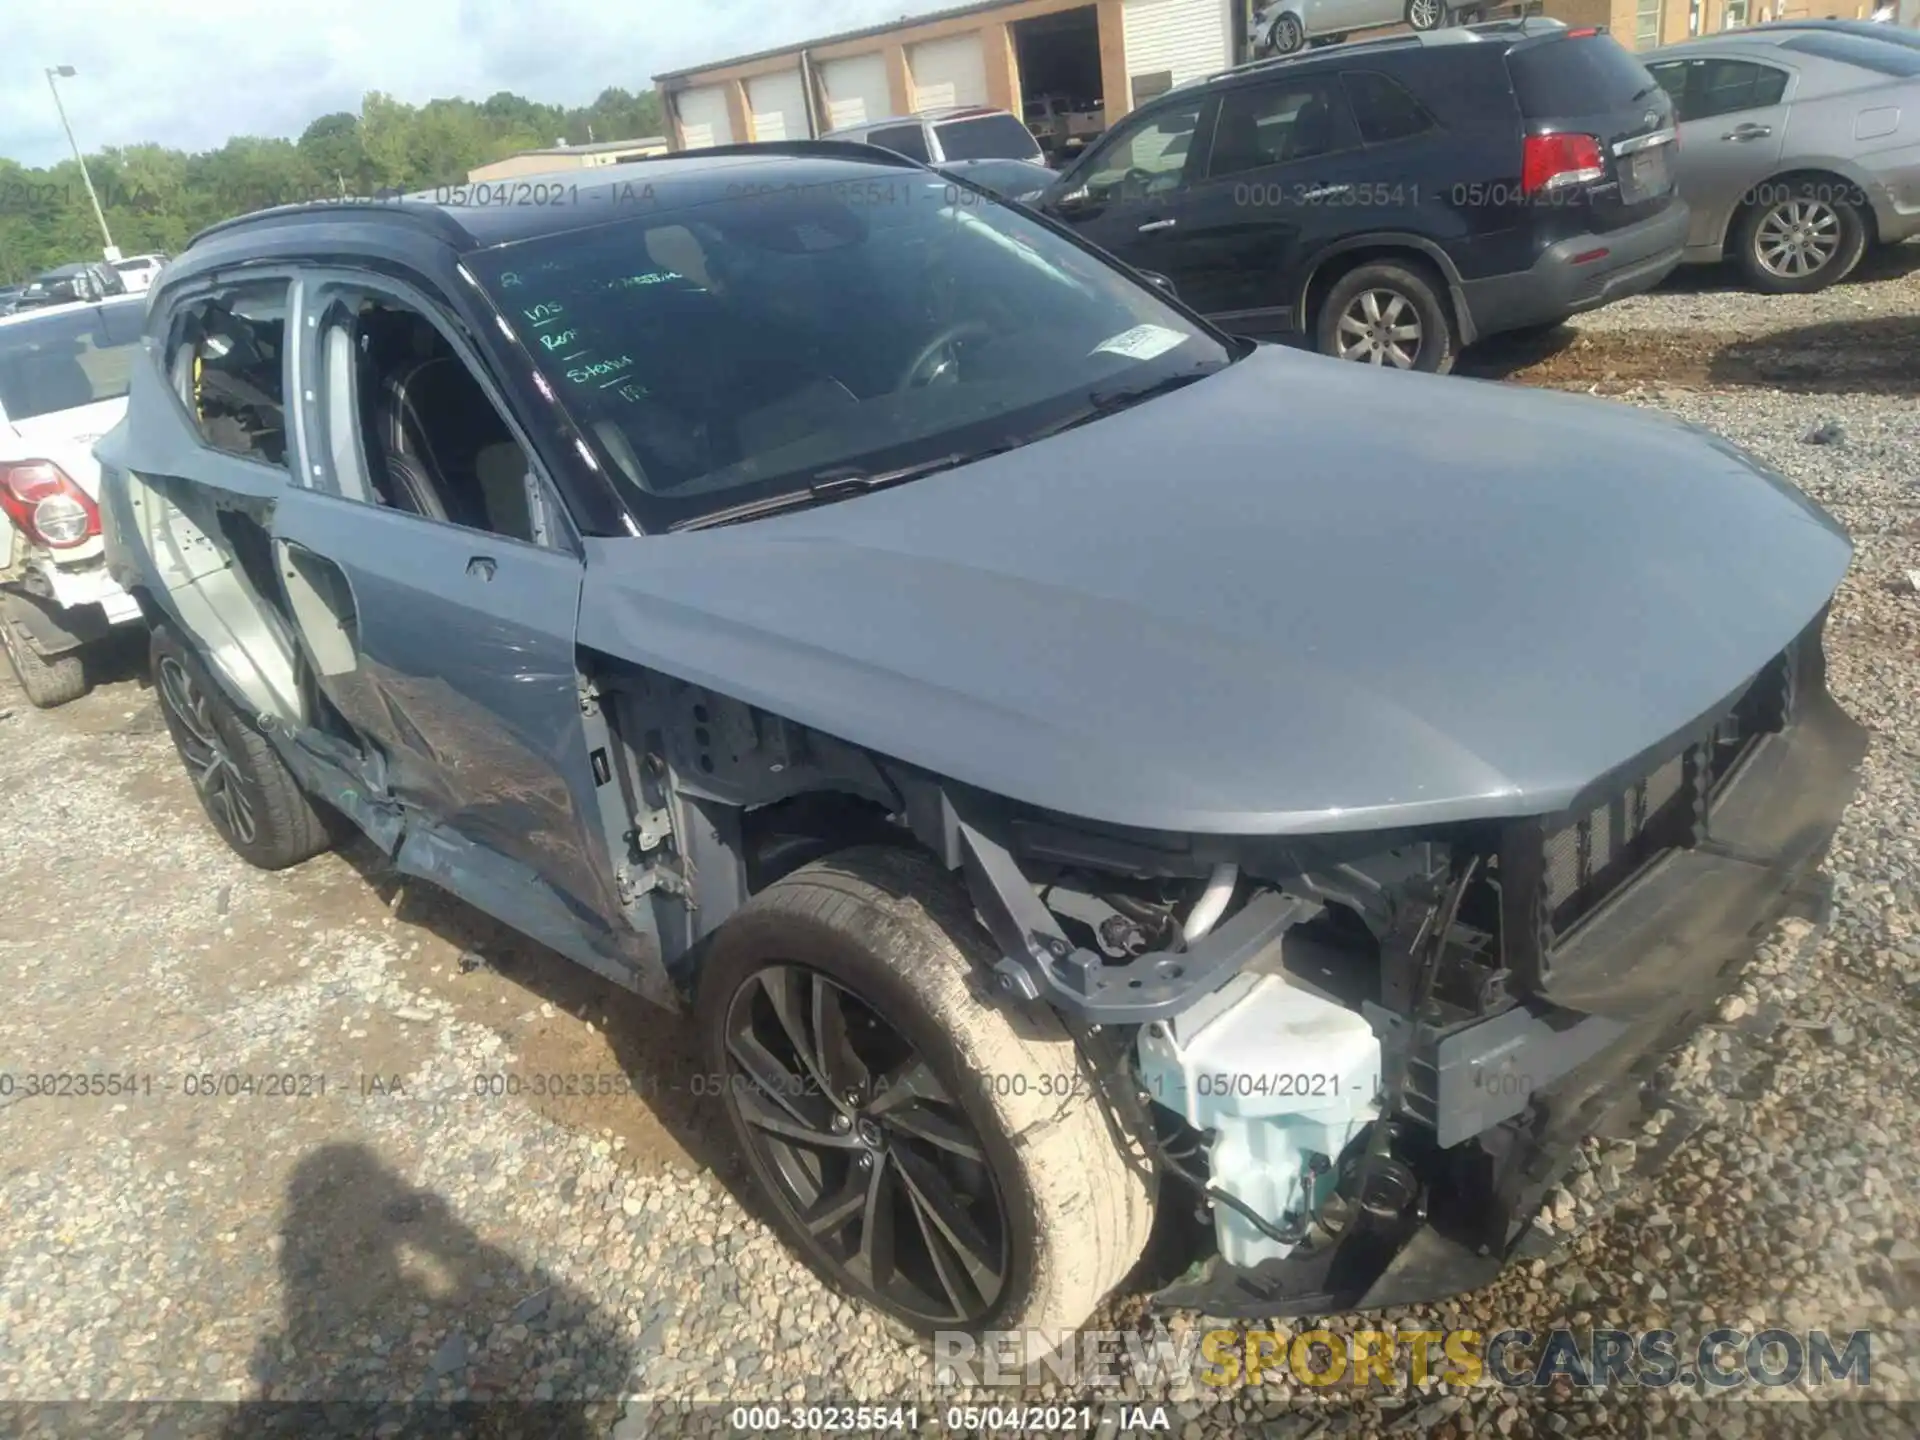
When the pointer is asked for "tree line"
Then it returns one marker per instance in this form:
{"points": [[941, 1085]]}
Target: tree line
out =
{"points": [[156, 198]]}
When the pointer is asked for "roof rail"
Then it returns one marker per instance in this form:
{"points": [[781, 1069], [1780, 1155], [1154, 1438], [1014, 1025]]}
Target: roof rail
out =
{"points": [[841, 149], [417, 211]]}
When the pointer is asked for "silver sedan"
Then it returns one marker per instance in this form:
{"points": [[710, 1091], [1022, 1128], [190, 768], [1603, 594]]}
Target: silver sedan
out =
{"points": [[1798, 149]]}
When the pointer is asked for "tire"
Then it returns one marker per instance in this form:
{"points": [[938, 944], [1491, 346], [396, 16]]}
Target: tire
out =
{"points": [[1058, 1213], [1426, 14], [48, 683], [1398, 290], [249, 795], [1287, 35], [1818, 223]]}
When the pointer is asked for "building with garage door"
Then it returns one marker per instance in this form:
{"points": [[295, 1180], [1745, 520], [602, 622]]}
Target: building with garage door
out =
{"points": [[1026, 56], [568, 157]]}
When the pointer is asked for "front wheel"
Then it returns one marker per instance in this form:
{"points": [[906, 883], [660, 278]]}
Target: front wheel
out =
{"points": [[1426, 14], [924, 1150], [245, 788], [1387, 314], [1802, 241], [1288, 35]]}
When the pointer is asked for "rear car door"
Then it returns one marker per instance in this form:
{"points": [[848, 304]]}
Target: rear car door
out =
{"points": [[434, 586], [1128, 194], [1733, 121], [1283, 173]]}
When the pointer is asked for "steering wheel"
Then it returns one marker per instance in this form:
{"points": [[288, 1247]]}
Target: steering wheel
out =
{"points": [[949, 336], [1136, 181]]}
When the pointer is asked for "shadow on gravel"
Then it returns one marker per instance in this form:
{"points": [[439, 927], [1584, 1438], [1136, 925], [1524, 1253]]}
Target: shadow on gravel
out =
{"points": [[1877, 354], [655, 1049], [398, 1319]]}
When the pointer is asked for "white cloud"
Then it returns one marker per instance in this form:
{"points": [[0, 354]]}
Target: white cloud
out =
{"points": [[192, 73]]}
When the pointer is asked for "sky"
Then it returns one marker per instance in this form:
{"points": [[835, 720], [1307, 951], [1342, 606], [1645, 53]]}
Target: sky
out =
{"points": [[191, 73]]}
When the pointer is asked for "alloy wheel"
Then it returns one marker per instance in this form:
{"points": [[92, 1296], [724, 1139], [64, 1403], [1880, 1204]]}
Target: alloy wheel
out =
{"points": [[214, 775], [1798, 238], [1423, 14], [1379, 327], [865, 1148]]}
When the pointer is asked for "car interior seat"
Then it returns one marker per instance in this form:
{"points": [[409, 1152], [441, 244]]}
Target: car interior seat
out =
{"points": [[1312, 131], [430, 423], [1236, 145]]}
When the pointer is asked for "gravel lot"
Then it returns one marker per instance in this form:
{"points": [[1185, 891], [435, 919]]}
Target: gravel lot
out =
{"points": [[401, 1234]]}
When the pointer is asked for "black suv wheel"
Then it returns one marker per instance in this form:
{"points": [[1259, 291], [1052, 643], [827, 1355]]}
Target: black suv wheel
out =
{"points": [[1387, 313], [924, 1150]]}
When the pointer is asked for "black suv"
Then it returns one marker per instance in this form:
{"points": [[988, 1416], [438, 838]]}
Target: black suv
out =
{"points": [[1397, 199]]}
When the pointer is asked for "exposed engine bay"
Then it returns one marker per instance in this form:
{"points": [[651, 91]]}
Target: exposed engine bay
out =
{"points": [[1368, 1064]]}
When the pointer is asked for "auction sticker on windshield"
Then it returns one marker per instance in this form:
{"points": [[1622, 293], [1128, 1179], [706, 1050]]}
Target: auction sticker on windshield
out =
{"points": [[1143, 342]]}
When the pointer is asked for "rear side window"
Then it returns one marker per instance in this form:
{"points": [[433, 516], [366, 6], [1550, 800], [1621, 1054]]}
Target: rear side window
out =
{"points": [[1723, 87], [1878, 56], [225, 358], [1383, 109], [987, 137], [907, 140], [1586, 76], [1261, 125], [67, 359]]}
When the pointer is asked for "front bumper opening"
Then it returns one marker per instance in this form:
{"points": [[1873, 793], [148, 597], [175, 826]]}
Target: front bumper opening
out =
{"points": [[1616, 971]]}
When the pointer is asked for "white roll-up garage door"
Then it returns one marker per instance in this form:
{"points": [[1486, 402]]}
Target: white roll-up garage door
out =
{"points": [[778, 104], [1182, 39], [856, 90], [948, 72], [703, 117]]}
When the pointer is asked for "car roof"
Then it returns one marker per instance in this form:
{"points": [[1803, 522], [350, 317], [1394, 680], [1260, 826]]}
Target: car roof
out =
{"points": [[1508, 32], [40, 312], [1778, 45], [485, 214], [937, 116]]}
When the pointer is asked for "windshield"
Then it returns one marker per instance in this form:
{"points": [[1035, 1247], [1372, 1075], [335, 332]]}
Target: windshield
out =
{"points": [[63, 360], [987, 137], [731, 351]]}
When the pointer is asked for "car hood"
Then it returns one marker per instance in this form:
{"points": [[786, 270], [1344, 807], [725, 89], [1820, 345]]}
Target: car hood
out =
{"points": [[1300, 595], [66, 437]]}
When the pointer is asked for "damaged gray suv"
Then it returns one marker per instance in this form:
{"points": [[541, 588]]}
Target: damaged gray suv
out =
{"points": [[1069, 762]]}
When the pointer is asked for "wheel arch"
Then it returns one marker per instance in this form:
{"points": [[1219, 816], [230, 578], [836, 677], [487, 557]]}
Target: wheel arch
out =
{"points": [[1346, 255], [1826, 169]]}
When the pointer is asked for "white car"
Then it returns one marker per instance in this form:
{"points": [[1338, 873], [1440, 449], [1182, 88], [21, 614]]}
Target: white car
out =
{"points": [[1285, 26], [64, 371], [140, 271]]}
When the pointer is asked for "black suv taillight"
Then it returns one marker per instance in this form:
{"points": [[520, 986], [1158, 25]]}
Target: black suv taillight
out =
{"points": [[1553, 162]]}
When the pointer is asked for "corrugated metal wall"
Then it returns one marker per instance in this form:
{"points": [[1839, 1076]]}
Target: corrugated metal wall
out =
{"points": [[856, 89], [778, 106], [948, 72], [1189, 38], [703, 117]]}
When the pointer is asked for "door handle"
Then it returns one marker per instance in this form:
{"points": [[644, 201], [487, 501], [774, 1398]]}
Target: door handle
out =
{"points": [[481, 567], [1152, 225], [1748, 131], [1321, 192]]}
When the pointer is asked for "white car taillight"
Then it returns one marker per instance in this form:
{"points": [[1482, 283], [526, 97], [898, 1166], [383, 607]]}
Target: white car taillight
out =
{"points": [[43, 501]]}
